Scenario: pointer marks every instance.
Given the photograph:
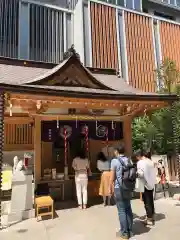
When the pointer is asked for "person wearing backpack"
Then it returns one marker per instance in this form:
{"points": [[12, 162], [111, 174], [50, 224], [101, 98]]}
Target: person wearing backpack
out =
{"points": [[123, 178]]}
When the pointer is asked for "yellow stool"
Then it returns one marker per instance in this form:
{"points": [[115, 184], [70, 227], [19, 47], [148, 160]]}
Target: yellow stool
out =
{"points": [[45, 202]]}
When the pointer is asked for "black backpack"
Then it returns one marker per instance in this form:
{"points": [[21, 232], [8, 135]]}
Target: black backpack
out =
{"points": [[129, 174]]}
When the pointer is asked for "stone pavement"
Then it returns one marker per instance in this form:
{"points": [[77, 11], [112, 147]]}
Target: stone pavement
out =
{"points": [[98, 223]]}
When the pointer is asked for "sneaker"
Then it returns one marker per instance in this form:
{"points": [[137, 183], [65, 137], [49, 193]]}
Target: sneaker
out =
{"points": [[143, 218], [121, 236], [124, 237], [149, 222]]}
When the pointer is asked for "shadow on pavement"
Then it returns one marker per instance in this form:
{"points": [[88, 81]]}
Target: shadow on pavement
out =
{"points": [[139, 228], [73, 204], [44, 218], [158, 217], [22, 230]]}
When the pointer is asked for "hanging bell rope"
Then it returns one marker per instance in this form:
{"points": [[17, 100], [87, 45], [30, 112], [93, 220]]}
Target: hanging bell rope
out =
{"points": [[76, 121], [107, 137], [87, 138], [65, 146], [57, 123]]}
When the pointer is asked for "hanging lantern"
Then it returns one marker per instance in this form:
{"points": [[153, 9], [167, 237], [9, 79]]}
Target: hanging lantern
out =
{"points": [[65, 146]]}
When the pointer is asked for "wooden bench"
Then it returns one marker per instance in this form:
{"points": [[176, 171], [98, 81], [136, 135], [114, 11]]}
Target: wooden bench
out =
{"points": [[44, 202]]}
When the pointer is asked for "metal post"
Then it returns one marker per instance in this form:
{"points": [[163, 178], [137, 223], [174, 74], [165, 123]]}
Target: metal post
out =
{"points": [[175, 137], [1, 147]]}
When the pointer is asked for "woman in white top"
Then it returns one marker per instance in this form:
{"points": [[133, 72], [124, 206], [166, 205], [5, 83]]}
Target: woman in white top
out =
{"points": [[82, 168]]}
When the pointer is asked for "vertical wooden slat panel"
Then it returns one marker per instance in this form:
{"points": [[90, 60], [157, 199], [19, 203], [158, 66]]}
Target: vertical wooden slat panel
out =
{"points": [[96, 27], [104, 36], [93, 33], [100, 30], [18, 134], [28, 134], [103, 20], [114, 49], [170, 41], [140, 51], [11, 129], [108, 46]]}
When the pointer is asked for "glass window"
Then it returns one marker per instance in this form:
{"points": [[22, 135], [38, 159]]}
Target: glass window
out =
{"points": [[178, 3], [172, 2], [120, 3], [46, 34], [9, 28], [159, 14], [129, 4], [112, 1], [137, 4], [24, 31]]}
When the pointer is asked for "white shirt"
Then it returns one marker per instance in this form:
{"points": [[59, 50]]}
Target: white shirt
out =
{"points": [[103, 165], [80, 166], [146, 170]]}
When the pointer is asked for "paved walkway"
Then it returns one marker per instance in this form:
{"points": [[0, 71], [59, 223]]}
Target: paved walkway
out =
{"points": [[97, 223]]}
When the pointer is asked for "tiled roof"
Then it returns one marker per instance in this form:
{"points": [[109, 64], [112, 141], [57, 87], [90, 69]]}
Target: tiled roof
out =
{"points": [[22, 75], [118, 84], [12, 74]]}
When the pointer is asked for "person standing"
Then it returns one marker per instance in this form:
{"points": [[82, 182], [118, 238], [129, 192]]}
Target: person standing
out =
{"points": [[103, 165], [146, 172], [82, 169], [122, 195]]}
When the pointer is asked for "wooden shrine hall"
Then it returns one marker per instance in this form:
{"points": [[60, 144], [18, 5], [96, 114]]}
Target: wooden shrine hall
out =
{"points": [[43, 102]]}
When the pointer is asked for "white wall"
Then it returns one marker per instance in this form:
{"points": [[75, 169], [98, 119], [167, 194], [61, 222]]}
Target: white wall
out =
{"points": [[78, 31]]}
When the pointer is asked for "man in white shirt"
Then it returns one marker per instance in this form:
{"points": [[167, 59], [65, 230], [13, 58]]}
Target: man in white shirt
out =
{"points": [[146, 171]]}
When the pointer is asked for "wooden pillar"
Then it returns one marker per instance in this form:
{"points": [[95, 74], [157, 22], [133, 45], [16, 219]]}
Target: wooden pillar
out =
{"points": [[127, 133], [37, 149]]}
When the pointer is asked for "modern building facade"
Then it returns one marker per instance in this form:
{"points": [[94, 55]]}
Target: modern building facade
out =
{"points": [[132, 36]]}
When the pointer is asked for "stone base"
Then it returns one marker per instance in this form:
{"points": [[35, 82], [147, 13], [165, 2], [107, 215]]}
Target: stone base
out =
{"points": [[15, 217]]}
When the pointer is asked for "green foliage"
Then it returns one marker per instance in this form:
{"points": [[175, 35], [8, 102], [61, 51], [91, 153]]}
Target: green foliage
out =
{"points": [[168, 75], [155, 131], [143, 132]]}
